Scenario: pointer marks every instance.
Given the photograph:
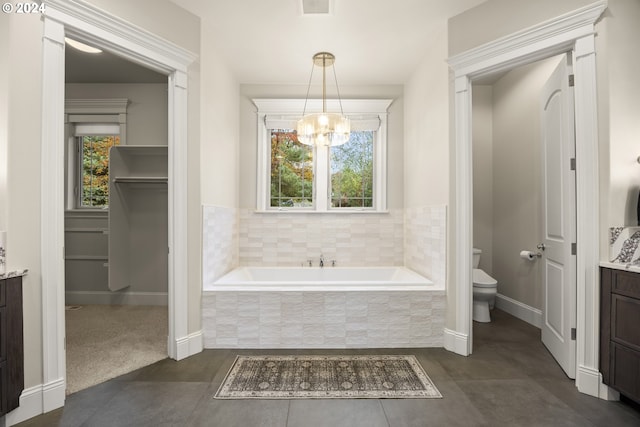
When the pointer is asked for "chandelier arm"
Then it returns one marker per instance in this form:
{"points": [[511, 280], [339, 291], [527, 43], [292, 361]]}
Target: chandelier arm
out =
{"points": [[306, 98], [337, 89]]}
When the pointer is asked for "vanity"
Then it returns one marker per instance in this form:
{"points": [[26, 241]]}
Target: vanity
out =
{"points": [[11, 341], [620, 328]]}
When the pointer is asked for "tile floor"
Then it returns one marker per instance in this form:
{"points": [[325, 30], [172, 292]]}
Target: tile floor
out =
{"points": [[510, 380]]}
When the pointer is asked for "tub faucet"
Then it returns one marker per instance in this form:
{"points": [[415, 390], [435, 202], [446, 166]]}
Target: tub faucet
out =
{"points": [[321, 260]]}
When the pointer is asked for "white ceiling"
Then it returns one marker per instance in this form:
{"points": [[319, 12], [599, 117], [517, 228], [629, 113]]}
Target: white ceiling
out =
{"points": [[374, 41], [272, 42]]}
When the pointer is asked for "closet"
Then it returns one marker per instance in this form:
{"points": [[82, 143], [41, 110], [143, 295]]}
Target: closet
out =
{"points": [[138, 218]]}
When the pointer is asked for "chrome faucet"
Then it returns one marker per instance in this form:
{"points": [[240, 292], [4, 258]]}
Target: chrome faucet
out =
{"points": [[321, 260]]}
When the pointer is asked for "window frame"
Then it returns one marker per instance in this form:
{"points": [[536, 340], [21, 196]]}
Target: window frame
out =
{"points": [[288, 110], [91, 112]]}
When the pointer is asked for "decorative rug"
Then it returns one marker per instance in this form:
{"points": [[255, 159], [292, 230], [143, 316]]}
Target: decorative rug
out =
{"points": [[326, 377]]}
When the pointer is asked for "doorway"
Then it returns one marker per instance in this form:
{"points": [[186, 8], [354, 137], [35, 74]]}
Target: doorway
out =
{"points": [[511, 152], [89, 24], [112, 104], [573, 32]]}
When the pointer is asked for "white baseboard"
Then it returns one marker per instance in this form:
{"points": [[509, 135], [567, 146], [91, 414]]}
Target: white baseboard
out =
{"points": [[189, 345], [456, 342], [531, 315], [588, 381], [115, 298], [37, 400]]}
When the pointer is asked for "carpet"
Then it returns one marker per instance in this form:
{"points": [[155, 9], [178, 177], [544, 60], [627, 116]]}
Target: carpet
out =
{"points": [[326, 377], [106, 341]]}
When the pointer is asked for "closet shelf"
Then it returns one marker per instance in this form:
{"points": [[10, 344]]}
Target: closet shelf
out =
{"points": [[86, 230]]}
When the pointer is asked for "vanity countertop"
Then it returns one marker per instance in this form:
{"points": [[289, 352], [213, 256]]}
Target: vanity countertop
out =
{"points": [[635, 268], [19, 273]]}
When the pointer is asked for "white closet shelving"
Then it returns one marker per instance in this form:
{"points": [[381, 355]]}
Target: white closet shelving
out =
{"points": [[138, 218]]}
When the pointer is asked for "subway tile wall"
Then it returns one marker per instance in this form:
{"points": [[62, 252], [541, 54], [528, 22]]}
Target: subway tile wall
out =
{"points": [[219, 242], [364, 319], [414, 237], [287, 239], [425, 242]]}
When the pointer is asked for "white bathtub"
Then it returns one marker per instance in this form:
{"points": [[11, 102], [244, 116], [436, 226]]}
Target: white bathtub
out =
{"points": [[322, 279], [330, 307]]}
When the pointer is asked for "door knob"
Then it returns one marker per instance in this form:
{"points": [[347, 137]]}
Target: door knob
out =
{"points": [[541, 246]]}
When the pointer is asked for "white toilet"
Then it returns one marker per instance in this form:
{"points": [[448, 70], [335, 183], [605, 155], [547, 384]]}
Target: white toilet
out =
{"points": [[485, 288]]}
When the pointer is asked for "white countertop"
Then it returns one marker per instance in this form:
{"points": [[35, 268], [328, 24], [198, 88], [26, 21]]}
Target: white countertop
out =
{"points": [[19, 273], [635, 268]]}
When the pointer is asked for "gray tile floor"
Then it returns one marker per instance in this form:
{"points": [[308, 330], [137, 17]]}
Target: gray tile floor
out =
{"points": [[510, 380]]}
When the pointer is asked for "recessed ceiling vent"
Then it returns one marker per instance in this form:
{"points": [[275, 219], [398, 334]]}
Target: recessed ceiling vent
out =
{"points": [[316, 7]]}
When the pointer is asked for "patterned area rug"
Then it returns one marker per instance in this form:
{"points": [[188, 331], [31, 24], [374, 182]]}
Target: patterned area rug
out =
{"points": [[326, 377]]}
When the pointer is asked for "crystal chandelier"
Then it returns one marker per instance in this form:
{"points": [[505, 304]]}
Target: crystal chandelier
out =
{"points": [[324, 129]]}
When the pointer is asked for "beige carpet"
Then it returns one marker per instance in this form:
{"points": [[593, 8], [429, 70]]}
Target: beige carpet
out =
{"points": [[106, 341]]}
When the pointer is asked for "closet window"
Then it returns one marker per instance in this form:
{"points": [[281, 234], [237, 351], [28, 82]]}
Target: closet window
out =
{"points": [[94, 179], [93, 126]]}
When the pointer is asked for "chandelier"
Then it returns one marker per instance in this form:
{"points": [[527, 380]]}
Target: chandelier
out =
{"points": [[323, 129]]}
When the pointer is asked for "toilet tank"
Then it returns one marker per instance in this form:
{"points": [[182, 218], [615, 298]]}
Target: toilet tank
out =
{"points": [[476, 257]]}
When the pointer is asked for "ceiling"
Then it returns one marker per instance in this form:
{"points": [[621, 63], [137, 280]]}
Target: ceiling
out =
{"points": [[104, 67], [272, 41]]}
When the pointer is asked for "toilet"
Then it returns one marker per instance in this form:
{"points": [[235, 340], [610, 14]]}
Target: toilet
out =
{"points": [[485, 288]]}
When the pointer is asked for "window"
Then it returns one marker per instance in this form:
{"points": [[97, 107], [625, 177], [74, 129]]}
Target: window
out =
{"points": [[94, 181], [93, 126], [291, 170], [296, 177], [351, 168]]}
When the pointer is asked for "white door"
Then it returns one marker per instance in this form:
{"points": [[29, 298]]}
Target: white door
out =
{"points": [[559, 223]]}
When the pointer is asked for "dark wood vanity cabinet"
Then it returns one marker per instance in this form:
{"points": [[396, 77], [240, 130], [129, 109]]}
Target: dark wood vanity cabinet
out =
{"points": [[11, 344], [620, 331]]}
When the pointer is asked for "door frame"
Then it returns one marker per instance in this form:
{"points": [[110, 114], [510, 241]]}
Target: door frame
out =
{"points": [[572, 32], [96, 27]]}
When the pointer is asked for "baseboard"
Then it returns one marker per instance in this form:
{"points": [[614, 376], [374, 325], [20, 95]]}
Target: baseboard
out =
{"points": [[37, 400], [189, 345], [456, 342], [531, 315], [115, 298], [588, 381]]}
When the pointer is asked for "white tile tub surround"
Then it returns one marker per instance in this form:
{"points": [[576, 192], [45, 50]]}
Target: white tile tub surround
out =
{"points": [[296, 319], [425, 241], [219, 242], [289, 239]]}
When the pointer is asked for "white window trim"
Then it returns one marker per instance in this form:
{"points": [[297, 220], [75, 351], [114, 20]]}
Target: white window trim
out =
{"points": [[294, 107]]}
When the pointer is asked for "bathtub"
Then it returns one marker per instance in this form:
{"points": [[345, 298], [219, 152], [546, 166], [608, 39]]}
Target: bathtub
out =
{"points": [[330, 307], [322, 279]]}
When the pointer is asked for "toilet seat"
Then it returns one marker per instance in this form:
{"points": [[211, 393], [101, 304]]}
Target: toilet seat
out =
{"points": [[482, 279]]}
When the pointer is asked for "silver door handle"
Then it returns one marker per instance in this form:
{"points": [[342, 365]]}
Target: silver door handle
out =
{"points": [[541, 246]]}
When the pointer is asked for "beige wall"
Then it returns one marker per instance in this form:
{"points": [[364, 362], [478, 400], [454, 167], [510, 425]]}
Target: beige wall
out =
{"points": [[219, 103], [161, 17], [621, 74], [482, 138], [517, 182], [426, 121], [147, 122], [24, 67], [4, 115], [498, 18]]}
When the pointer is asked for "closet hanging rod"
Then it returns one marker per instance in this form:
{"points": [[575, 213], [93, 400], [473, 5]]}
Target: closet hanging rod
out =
{"points": [[145, 180]]}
